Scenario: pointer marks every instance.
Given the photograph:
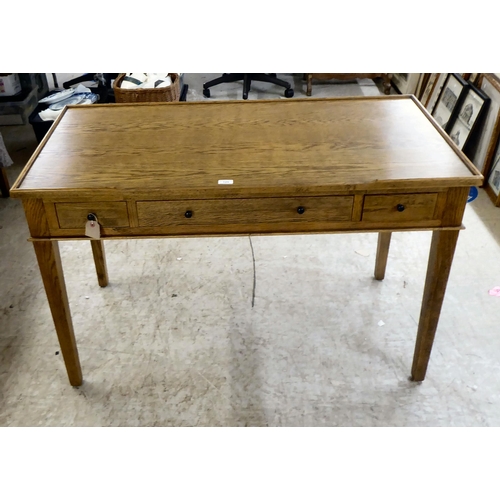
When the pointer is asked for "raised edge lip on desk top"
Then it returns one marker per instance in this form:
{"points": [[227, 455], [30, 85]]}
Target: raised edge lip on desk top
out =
{"points": [[476, 179]]}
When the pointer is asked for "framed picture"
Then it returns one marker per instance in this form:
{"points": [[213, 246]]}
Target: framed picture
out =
{"points": [[493, 186], [468, 118], [429, 87], [472, 78], [487, 139], [494, 79], [449, 100], [406, 83], [422, 83], [492, 163], [433, 97]]}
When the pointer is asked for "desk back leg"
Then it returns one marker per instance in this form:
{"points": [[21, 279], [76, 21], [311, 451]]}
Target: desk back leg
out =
{"points": [[49, 261], [100, 261], [384, 240], [440, 259]]}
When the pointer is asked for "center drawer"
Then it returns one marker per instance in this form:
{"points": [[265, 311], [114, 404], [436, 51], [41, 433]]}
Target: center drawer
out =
{"points": [[244, 211]]}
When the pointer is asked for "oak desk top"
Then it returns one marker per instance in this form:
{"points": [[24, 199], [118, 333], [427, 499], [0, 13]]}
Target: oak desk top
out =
{"points": [[282, 147]]}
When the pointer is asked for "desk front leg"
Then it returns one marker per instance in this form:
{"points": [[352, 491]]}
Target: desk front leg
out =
{"points": [[438, 270], [49, 261]]}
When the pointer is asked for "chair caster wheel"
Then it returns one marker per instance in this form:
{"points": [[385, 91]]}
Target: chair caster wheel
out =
{"points": [[206, 92], [245, 95], [289, 93]]}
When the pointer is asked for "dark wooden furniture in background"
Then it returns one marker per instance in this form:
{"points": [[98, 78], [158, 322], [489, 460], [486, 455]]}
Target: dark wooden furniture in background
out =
{"points": [[155, 170], [4, 183], [348, 76]]}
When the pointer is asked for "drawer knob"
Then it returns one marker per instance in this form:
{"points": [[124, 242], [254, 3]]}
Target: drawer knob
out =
{"points": [[400, 208], [91, 217], [301, 210], [188, 214]]}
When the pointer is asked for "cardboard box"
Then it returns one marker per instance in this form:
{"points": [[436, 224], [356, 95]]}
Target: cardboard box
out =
{"points": [[9, 84]]}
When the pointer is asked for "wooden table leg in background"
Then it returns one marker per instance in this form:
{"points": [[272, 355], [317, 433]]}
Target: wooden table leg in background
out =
{"points": [[100, 261], [440, 259], [384, 240], [49, 261]]}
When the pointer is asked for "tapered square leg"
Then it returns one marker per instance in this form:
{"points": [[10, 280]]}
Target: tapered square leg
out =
{"points": [[49, 261], [100, 262], [384, 240], [438, 270]]}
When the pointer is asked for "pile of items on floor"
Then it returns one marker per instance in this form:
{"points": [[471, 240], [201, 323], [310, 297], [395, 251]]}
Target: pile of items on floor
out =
{"points": [[57, 101]]}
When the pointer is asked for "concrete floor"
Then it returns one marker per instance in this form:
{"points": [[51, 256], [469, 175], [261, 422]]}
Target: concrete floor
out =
{"points": [[174, 339]]}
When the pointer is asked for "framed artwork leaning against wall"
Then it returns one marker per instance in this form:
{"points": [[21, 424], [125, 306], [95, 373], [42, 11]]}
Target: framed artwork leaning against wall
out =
{"points": [[449, 100], [422, 83], [435, 91], [468, 118], [493, 183], [491, 170], [429, 87]]}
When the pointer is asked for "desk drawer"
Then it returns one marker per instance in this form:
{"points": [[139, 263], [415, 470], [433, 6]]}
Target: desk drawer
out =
{"points": [[109, 214], [399, 208], [244, 211]]}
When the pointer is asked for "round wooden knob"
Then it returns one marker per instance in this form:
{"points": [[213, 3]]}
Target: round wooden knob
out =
{"points": [[301, 210], [400, 208], [188, 214]]}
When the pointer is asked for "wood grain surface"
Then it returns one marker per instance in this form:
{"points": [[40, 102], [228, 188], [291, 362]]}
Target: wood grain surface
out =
{"points": [[74, 215], [440, 259], [49, 261], [384, 241], [245, 211], [383, 208], [285, 146], [100, 262]]}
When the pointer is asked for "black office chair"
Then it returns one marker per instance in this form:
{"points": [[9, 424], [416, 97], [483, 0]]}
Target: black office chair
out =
{"points": [[247, 81]]}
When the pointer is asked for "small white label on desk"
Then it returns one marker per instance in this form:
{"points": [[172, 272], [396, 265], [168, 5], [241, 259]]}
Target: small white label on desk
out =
{"points": [[225, 181]]}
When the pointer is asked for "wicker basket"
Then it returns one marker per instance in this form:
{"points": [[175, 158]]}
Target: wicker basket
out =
{"points": [[165, 94]]}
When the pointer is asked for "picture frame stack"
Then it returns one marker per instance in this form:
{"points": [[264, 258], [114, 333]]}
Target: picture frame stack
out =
{"points": [[459, 108], [467, 107], [491, 170], [492, 186]]}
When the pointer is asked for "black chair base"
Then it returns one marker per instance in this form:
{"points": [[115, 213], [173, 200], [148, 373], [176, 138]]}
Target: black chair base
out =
{"points": [[247, 81]]}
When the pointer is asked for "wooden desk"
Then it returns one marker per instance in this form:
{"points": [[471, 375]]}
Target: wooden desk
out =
{"points": [[296, 166]]}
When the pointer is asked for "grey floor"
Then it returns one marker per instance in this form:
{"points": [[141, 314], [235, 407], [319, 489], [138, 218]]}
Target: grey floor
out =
{"points": [[174, 339]]}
